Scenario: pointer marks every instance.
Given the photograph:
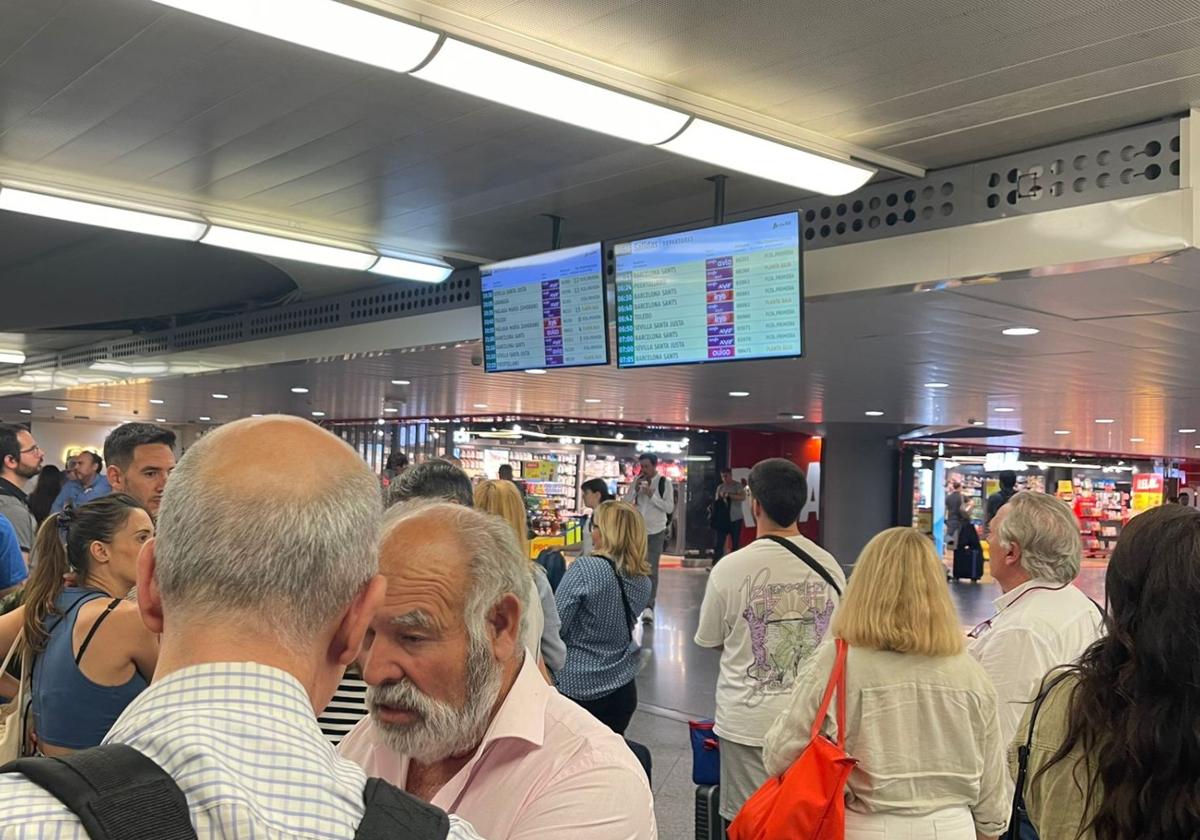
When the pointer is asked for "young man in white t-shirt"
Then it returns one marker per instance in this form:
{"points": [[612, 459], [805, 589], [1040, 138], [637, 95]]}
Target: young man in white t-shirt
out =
{"points": [[767, 608]]}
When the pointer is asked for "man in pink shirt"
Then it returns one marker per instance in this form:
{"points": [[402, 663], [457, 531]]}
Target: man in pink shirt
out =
{"points": [[460, 717]]}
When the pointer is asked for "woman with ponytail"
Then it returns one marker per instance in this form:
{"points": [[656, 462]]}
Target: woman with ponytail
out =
{"points": [[86, 564]]}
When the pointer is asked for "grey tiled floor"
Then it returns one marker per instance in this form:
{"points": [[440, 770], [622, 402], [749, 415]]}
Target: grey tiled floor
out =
{"points": [[678, 679]]}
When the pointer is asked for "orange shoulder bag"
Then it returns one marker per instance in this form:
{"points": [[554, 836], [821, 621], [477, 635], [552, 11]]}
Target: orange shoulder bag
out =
{"points": [[806, 802]]}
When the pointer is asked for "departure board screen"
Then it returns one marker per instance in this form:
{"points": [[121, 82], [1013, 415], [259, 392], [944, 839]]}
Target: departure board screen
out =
{"points": [[724, 293], [545, 311]]}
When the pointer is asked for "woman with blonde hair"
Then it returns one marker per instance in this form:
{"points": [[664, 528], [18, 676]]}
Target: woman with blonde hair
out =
{"points": [[503, 499], [599, 599], [920, 713]]}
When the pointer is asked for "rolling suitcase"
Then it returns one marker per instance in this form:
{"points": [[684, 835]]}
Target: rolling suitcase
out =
{"points": [[709, 825], [968, 563]]}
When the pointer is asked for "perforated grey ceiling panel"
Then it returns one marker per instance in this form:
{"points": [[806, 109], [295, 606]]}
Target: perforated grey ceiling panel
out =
{"points": [[1135, 161]]}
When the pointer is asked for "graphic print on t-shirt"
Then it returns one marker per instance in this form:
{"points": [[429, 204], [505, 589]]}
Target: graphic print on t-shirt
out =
{"points": [[786, 622]]}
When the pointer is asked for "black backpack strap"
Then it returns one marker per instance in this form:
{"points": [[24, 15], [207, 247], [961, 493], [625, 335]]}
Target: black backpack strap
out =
{"points": [[808, 560], [117, 793], [629, 617], [88, 639], [1023, 751], [393, 814]]}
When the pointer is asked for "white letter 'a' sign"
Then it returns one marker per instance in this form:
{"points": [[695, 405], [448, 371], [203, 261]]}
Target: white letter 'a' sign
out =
{"points": [[812, 508]]}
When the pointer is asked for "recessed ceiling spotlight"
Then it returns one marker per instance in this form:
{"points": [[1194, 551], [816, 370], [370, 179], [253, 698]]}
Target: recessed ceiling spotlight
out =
{"points": [[937, 384], [619, 436], [1004, 410], [156, 402], [220, 396], [299, 390], [26, 411], [480, 405], [160, 419], [1021, 331], [739, 393], [401, 382], [976, 422], [797, 416], [204, 418], [60, 408], [591, 401], [1187, 431], [104, 405], [1104, 421], [873, 413], [318, 414], [1062, 431], [535, 371], [390, 410]]}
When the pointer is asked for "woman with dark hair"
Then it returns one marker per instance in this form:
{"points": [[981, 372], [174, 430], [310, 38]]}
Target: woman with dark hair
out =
{"points": [[49, 485], [1115, 750], [74, 605], [595, 493]]}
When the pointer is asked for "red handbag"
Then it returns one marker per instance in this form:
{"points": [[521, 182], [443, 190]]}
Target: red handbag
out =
{"points": [[806, 802]]}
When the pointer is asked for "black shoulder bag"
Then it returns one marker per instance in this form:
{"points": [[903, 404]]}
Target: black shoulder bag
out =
{"points": [[630, 621], [1019, 814], [808, 560]]}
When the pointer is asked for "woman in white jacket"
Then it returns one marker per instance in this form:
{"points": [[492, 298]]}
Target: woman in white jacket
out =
{"points": [[920, 713]]}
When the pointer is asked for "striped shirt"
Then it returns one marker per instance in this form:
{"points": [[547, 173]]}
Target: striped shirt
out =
{"points": [[346, 709], [241, 741]]}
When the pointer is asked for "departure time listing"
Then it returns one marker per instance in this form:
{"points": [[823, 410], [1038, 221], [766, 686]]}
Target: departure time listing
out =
{"points": [[731, 292], [545, 311]]}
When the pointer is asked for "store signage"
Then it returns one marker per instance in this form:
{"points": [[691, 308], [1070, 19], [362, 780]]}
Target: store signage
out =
{"points": [[1147, 492], [997, 461], [539, 470], [462, 436], [661, 447]]}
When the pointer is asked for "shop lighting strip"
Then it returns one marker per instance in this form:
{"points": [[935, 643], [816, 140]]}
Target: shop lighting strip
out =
{"points": [[393, 44]]}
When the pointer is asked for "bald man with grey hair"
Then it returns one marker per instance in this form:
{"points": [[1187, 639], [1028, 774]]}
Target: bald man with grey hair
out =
{"points": [[261, 586], [1042, 620], [460, 715]]}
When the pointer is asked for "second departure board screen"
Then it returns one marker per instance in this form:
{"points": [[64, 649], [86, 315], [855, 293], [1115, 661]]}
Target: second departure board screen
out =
{"points": [[725, 293], [545, 311]]}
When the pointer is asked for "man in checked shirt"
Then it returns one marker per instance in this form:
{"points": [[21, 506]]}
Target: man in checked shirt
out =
{"points": [[262, 586]]}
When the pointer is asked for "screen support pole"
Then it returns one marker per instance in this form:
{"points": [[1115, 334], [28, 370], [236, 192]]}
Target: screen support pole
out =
{"points": [[718, 198], [555, 230]]}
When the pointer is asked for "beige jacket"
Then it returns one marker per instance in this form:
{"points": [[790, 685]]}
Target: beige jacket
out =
{"points": [[1056, 800]]}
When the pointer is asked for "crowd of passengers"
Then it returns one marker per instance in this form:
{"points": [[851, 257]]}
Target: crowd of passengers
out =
{"points": [[205, 614]]}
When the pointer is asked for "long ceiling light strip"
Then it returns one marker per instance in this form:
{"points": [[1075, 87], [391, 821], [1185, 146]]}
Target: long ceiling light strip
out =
{"points": [[100, 215], [288, 249], [326, 26], [412, 268], [518, 84], [361, 35]]}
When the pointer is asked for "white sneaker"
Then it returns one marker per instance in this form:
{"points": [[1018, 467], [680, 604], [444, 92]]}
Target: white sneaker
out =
{"points": [[648, 615]]}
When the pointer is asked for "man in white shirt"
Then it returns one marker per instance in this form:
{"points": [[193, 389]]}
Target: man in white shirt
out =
{"points": [[767, 607], [261, 584], [1042, 620], [460, 715], [654, 497]]}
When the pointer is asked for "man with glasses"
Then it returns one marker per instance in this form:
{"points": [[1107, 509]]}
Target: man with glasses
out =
{"points": [[20, 460]]}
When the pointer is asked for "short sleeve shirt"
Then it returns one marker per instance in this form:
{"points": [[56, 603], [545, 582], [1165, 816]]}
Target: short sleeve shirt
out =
{"points": [[12, 563]]}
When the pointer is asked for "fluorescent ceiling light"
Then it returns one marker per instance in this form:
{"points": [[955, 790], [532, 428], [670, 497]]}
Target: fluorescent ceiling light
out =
{"points": [[592, 401], [548, 93], [205, 418], [60, 408], [127, 368], [535, 371], [220, 396], [409, 268], [739, 393], [480, 405], [299, 390], [288, 249], [26, 411], [1004, 410], [1136, 440], [160, 419], [1104, 421], [1187, 431], [1062, 431], [937, 384], [873, 413], [12, 357], [401, 382], [157, 402], [976, 422], [797, 416], [100, 215], [326, 26], [390, 410], [104, 405], [318, 414], [728, 147], [1021, 331]]}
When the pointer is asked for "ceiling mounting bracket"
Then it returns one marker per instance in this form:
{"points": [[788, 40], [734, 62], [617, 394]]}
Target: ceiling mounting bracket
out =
{"points": [[555, 230], [718, 182]]}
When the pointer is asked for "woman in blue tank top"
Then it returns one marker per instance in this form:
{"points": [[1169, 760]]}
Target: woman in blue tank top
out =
{"points": [[92, 653]]}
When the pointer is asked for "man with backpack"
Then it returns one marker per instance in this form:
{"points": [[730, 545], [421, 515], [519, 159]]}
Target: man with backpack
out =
{"points": [[654, 497], [261, 585]]}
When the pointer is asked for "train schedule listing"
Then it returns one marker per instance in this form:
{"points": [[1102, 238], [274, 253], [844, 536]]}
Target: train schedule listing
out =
{"points": [[725, 293], [545, 311]]}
